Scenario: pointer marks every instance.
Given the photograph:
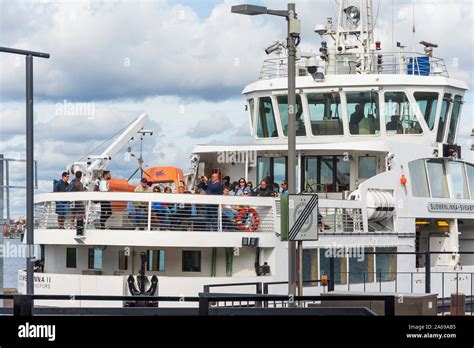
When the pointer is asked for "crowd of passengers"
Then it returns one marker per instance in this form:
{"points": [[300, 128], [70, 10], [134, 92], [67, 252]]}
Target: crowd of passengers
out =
{"points": [[171, 216]]}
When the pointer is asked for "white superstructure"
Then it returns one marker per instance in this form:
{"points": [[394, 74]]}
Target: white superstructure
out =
{"points": [[376, 139]]}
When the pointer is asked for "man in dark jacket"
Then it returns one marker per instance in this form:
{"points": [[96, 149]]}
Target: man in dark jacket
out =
{"points": [[214, 187], [62, 207], [78, 211], [264, 190]]}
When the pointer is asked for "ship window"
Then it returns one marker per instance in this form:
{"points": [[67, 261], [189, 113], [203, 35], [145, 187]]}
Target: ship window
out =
{"points": [[155, 260], [123, 260], [264, 169], [458, 180], [361, 266], [326, 174], [367, 167], [400, 118], [191, 261], [266, 119], [251, 110], [470, 177], [386, 264], [310, 267], [272, 169], [325, 113], [340, 265], [71, 257], [453, 124], [442, 117], [363, 111], [437, 178], [419, 181], [95, 258], [428, 103], [283, 108]]}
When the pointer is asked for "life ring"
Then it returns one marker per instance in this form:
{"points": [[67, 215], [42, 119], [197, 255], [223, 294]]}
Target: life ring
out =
{"points": [[242, 223]]}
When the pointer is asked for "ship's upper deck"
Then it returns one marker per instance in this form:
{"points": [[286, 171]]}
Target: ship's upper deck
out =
{"points": [[353, 108]]}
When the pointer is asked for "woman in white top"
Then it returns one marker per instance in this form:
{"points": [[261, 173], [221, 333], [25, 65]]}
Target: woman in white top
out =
{"points": [[105, 206]]}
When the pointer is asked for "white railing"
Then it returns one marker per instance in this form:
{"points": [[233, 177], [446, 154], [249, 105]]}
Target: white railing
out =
{"points": [[154, 211], [410, 63], [186, 212]]}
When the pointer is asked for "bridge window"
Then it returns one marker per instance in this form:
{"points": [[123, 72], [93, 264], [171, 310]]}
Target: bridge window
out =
{"points": [[443, 117], [191, 261], [71, 257], [283, 108], [400, 117], [95, 258], [266, 127], [251, 110], [437, 178], [326, 174], [470, 177], [453, 125], [428, 103], [458, 180], [325, 113], [155, 260], [419, 181], [363, 111]]}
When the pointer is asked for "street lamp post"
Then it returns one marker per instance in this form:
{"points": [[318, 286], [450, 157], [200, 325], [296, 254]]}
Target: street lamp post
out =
{"points": [[293, 33], [30, 181]]}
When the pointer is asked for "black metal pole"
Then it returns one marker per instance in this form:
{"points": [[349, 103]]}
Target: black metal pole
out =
{"points": [[427, 272], [332, 276], [29, 175], [292, 253], [30, 181]]}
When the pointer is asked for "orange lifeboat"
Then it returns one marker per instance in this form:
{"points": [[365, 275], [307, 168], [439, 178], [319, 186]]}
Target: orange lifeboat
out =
{"points": [[166, 176]]}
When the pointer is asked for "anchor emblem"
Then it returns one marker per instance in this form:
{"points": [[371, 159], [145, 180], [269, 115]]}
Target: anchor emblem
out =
{"points": [[140, 289]]}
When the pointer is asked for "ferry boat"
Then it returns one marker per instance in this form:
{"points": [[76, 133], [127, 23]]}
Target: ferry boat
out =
{"points": [[376, 140]]}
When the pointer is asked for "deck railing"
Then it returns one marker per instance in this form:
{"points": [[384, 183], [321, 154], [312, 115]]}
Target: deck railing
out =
{"points": [[408, 63], [154, 211], [186, 212]]}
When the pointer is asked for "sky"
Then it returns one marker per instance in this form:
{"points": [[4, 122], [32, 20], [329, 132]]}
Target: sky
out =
{"points": [[184, 62]]}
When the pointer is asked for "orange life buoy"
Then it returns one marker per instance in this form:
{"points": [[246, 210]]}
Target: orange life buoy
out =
{"points": [[242, 224]]}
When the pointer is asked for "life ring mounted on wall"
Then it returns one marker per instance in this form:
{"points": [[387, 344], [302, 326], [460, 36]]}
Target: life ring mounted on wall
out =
{"points": [[247, 220]]}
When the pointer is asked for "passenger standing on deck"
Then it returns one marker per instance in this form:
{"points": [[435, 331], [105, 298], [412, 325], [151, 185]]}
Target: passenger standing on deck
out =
{"points": [[79, 209], [105, 206], [264, 190], [241, 188], [284, 187], [214, 188], [203, 183], [141, 208], [62, 207]]}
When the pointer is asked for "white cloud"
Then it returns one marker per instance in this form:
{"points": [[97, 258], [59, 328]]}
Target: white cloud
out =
{"points": [[132, 50], [213, 125]]}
